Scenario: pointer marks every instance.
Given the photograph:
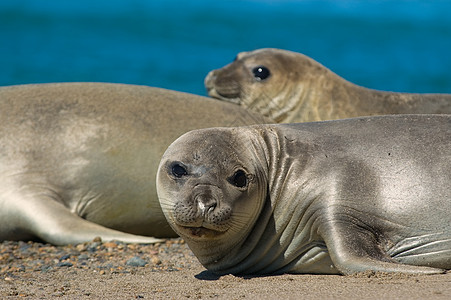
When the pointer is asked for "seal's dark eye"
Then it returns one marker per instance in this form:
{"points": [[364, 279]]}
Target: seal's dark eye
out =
{"points": [[178, 170], [261, 73], [239, 179]]}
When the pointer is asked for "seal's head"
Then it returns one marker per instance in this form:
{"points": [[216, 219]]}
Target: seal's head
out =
{"points": [[212, 186], [268, 81]]}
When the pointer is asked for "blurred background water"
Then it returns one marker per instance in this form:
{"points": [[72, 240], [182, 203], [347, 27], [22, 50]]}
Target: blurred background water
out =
{"points": [[390, 45]]}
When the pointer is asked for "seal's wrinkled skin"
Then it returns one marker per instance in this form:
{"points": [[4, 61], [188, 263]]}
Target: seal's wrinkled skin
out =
{"points": [[344, 196], [289, 87], [78, 160]]}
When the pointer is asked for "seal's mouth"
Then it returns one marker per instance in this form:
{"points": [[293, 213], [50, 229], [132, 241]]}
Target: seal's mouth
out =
{"points": [[200, 232], [230, 97], [228, 93]]}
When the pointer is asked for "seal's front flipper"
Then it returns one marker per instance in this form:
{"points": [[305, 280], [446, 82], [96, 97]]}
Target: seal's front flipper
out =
{"points": [[354, 249], [52, 222]]}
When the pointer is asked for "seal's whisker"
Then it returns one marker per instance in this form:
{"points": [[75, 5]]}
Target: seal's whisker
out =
{"points": [[239, 223], [240, 214], [166, 203]]}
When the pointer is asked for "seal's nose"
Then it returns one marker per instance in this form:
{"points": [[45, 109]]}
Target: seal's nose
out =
{"points": [[206, 204], [209, 80]]}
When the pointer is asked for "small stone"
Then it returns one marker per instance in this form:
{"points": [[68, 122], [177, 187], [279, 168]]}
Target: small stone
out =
{"points": [[45, 269], [155, 260], [136, 262], [93, 247], [64, 264], [106, 266], [81, 247], [83, 257], [23, 247], [110, 245], [64, 257], [21, 268]]}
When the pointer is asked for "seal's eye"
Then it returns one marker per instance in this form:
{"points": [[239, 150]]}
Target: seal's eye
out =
{"points": [[239, 179], [178, 170], [261, 73]]}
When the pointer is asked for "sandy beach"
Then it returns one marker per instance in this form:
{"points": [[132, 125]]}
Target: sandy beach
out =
{"points": [[169, 270]]}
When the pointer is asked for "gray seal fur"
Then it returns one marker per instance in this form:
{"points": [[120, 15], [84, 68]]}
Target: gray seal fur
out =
{"points": [[344, 196], [78, 160], [295, 88]]}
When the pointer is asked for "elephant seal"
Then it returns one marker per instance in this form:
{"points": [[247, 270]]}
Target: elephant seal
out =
{"points": [[289, 87], [78, 160], [343, 196]]}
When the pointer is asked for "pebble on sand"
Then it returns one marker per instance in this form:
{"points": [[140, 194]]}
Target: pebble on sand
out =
{"points": [[136, 262]]}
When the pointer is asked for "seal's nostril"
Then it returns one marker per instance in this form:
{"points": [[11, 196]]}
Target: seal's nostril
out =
{"points": [[211, 207]]}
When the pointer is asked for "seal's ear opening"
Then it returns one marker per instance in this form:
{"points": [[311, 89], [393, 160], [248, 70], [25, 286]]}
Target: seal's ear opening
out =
{"points": [[261, 73]]}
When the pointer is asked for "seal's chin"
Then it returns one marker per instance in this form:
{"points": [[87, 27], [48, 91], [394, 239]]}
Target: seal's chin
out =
{"points": [[199, 233]]}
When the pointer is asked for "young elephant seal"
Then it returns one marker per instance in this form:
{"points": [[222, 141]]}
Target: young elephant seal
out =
{"points": [[77, 159], [346, 196], [290, 87]]}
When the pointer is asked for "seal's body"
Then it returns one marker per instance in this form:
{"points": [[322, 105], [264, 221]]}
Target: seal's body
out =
{"points": [[289, 87], [76, 158], [330, 197]]}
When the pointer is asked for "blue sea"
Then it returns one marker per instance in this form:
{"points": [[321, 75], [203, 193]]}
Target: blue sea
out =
{"points": [[388, 45]]}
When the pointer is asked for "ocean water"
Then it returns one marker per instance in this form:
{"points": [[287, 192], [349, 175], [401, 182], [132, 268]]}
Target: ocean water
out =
{"points": [[389, 45]]}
